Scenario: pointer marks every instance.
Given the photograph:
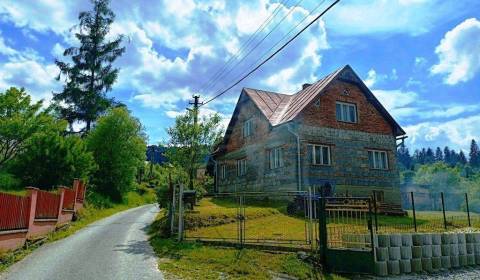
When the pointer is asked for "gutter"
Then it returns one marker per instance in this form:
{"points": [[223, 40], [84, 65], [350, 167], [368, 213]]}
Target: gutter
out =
{"points": [[299, 177]]}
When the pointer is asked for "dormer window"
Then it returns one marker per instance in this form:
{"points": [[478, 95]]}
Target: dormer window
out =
{"points": [[346, 112], [248, 128]]}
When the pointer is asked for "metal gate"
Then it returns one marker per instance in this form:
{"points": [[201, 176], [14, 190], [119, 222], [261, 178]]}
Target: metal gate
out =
{"points": [[282, 220], [346, 234]]}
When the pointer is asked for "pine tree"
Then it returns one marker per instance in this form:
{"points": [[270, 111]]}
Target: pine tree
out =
{"points": [[454, 158], [446, 155], [403, 156], [91, 74], [474, 154], [429, 156], [462, 159], [438, 154]]}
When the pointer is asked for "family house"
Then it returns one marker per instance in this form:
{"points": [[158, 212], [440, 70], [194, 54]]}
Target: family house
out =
{"points": [[333, 134]]}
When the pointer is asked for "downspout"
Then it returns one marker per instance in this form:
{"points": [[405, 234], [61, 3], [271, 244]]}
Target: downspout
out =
{"points": [[299, 175]]}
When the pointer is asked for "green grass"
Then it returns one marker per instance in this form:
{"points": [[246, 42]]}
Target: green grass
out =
{"points": [[192, 260], [86, 216]]}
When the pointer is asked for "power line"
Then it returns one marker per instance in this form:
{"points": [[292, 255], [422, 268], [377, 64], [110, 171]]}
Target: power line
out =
{"points": [[263, 39], [279, 41], [244, 45], [272, 55]]}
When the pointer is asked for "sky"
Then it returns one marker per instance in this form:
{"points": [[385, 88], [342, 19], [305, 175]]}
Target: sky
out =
{"points": [[421, 58]]}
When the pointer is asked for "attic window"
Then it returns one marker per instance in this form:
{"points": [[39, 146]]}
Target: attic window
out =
{"points": [[317, 103], [346, 112], [248, 128]]}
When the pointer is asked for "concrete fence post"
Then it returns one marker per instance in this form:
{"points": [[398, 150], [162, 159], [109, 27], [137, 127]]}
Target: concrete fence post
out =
{"points": [[32, 193], [61, 192]]}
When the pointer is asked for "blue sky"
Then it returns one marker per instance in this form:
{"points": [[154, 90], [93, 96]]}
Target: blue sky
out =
{"points": [[420, 58]]}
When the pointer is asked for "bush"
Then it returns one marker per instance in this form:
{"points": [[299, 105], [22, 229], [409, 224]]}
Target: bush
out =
{"points": [[9, 182]]}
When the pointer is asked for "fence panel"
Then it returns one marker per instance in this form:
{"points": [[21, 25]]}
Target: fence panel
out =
{"points": [[69, 199], [47, 205], [80, 192], [14, 212]]}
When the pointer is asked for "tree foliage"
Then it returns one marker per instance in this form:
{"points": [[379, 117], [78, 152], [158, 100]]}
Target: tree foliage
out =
{"points": [[90, 75], [118, 144], [20, 120], [474, 154], [51, 159], [186, 152]]}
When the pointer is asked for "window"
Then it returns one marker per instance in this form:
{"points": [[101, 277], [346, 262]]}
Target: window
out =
{"points": [[346, 112], [241, 167], [377, 159], [247, 128], [321, 155], [223, 171], [275, 158]]}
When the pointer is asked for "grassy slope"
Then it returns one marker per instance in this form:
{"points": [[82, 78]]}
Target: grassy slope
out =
{"points": [[87, 216]]}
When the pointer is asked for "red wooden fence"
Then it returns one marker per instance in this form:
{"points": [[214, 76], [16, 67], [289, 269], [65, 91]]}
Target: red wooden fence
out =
{"points": [[47, 205], [80, 192], [68, 199], [14, 212]]}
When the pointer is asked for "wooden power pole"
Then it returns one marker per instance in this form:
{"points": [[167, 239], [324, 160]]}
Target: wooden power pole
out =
{"points": [[196, 103]]}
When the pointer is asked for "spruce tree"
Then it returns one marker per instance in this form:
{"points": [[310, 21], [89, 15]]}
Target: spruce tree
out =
{"points": [[403, 156], [446, 155], [438, 154], [90, 74], [462, 159], [474, 154], [429, 156]]}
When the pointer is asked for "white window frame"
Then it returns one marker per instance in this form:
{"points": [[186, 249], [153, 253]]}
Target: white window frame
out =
{"points": [[223, 171], [344, 115], [321, 149], [248, 128], [241, 167], [378, 162], [275, 156]]}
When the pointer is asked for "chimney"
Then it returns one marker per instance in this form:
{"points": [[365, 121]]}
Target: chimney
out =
{"points": [[304, 86]]}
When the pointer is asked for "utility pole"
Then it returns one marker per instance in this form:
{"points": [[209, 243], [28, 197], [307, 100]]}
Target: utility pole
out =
{"points": [[195, 104]]}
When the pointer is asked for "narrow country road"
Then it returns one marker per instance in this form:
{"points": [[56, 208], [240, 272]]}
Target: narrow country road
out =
{"points": [[116, 247]]}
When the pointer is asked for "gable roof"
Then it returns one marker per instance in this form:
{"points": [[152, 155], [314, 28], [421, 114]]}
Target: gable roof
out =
{"points": [[281, 108]]}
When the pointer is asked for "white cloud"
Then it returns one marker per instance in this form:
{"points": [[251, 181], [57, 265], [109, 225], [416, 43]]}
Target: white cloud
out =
{"points": [[459, 53], [420, 61], [371, 78], [4, 49], [458, 132]]}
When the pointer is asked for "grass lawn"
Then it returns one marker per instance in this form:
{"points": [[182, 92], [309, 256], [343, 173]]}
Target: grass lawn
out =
{"points": [[87, 215], [192, 260]]}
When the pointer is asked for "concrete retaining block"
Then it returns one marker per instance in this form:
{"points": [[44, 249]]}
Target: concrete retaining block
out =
{"points": [[445, 250], [470, 248], [383, 240], [394, 253], [426, 251], [463, 260], [446, 262], [382, 254], [470, 259], [417, 252], [427, 264], [461, 238], [436, 263], [470, 237], [381, 268], [436, 250], [462, 249], [393, 267], [476, 237], [407, 239], [477, 259], [454, 261], [395, 240], [427, 239], [446, 239], [417, 239], [416, 265], [476, 249], [406, 252], [453, 249], [453, 238], [405, 266], [436, 239]]}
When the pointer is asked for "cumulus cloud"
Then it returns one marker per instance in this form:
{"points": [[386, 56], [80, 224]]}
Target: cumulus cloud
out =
{"points": [[459, 53]]}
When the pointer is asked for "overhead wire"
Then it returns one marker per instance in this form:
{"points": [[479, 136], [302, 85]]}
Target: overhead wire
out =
{"points": [[274, 53]]}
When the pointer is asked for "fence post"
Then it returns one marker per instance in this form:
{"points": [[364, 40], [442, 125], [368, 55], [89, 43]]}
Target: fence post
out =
{"points": [[443, 210], [375, 209], [468, 210], [180, 214], [172, 220], [32, 193], [322, 229], [61, 191], [414, 214]]}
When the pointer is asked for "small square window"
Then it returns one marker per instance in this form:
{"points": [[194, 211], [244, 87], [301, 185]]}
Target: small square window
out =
{"points": [[223, 171], [241, 167], [346, 112], [377, 159], [275, 158], [248, 128], [321, 155]]}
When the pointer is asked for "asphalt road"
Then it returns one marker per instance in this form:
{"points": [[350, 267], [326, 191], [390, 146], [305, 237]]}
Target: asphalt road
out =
{"points": [[116, 247]]}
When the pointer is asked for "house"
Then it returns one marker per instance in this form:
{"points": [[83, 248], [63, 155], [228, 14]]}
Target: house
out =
{"points": [[333, 134]]}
